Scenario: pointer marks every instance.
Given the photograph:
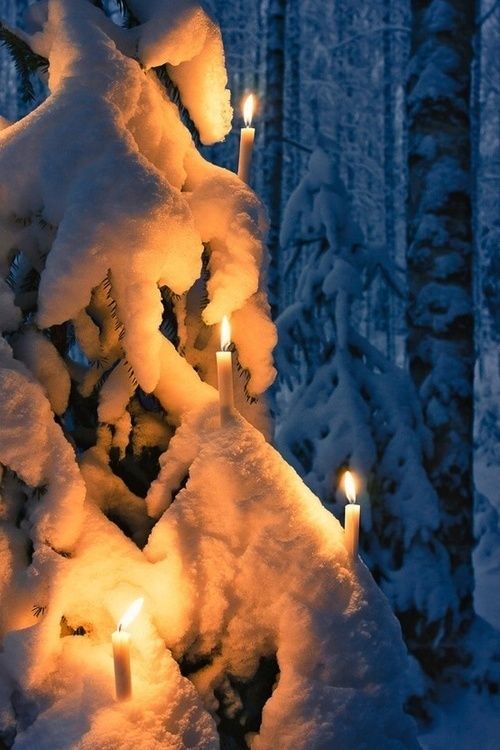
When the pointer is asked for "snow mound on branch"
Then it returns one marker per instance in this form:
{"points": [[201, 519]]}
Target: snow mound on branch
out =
{"points": [[42, 359], [33, 446], [182, 35], [244, 565], [122, 197]]}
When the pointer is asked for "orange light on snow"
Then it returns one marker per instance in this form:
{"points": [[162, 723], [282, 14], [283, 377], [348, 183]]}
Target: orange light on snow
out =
{"points": [[225, 333], [130, 614], [350, 487], [248, 109]]}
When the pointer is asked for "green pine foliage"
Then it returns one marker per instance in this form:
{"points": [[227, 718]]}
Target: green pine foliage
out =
{"points": [[27, 62]]}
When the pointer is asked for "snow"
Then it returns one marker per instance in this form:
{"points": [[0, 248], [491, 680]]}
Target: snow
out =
{"points": [[465, 721], [239, 564], [10, 316], [341, 402], [44, 361], [125, 170], [183, 36], [244, 563], [74, 704], [32, 445]]}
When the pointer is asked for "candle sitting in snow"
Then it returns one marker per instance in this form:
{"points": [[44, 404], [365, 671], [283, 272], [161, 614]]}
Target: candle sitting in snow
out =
{"points": [[352, 511], [225, 373], [121, 652], [246, 140]]}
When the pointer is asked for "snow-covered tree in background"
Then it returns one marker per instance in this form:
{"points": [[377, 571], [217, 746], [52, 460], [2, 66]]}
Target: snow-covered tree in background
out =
{"points": [[121, 248], [341, 402]]}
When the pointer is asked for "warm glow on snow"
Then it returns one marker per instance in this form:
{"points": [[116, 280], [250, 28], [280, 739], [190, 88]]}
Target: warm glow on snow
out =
{"points": [[350, 487], [248, 109], [225, 333], [131, 614]]}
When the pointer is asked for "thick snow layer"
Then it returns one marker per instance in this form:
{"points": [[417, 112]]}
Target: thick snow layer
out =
{"points": [[244, 563]]}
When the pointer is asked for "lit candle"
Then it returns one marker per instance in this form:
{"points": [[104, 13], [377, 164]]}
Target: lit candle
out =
{"points": [[246, 140], [121, 652], [225, 373], [352, 511]]}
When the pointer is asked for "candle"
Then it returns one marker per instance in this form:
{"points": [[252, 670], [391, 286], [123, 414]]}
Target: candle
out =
{"points": [[246, 140], [352, 512], [121, 652], [225, 373]]}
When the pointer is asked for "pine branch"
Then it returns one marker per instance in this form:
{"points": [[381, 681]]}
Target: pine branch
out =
{"points": [[26, 62], [175, 97], [130, 373], [111, 304], [105, 375], [31, 281], [129, 18], [40, 491], [43, 223], [204, 277], [245, 375], [169, 327], [11, 279]]}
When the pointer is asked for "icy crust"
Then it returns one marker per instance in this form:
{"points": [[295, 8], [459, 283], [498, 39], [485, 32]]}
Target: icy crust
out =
{"points": [[245, 563], [129, 200], [33, 446]]}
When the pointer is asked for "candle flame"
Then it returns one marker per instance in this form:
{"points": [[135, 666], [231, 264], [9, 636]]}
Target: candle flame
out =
{"points": [[248, 108], [131, 614], [225, 334], [350, 487]]}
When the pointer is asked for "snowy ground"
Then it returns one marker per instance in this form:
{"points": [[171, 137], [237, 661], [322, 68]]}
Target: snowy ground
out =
{"points": [[469, 720], [465, 723]]}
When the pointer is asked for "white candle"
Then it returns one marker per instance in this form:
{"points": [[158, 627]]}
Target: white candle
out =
{"points": [[351, 519], [225, 373], [246, 140], [121, 652]]}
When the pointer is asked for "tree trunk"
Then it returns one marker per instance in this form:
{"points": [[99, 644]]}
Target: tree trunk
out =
{"points": [[389, 167], [274, 132], [441, 342]]}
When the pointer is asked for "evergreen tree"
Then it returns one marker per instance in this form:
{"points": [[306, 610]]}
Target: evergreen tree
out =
{"points": [[122, 249], [342, 403]]}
